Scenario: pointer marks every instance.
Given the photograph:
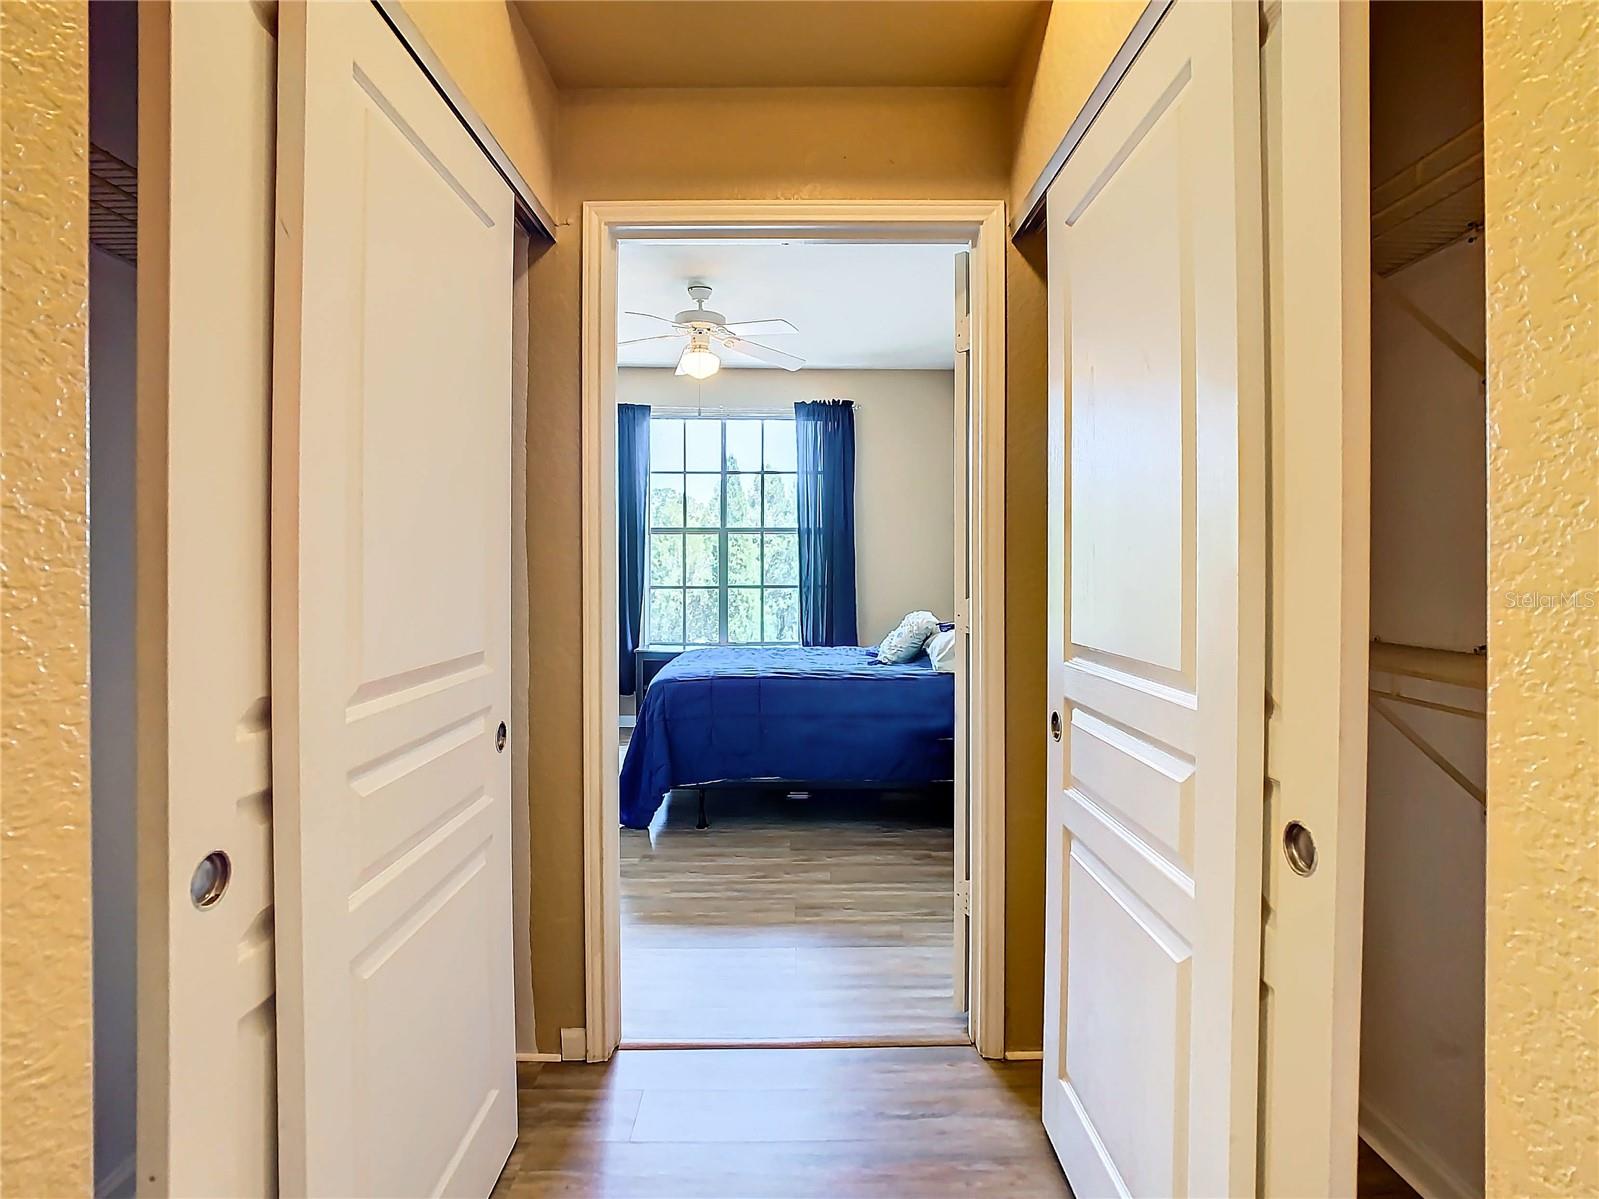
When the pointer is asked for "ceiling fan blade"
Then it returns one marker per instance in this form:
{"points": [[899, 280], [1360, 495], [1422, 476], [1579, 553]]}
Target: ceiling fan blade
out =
{"points": [[788, 362], [633, 341], [760, 328], [650, 316]]}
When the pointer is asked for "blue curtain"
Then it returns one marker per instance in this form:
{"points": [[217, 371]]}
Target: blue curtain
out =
{"points": [[632, 533], [825, 431]]}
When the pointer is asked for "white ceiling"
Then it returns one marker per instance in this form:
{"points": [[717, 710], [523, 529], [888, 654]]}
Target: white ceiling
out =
{"points": [[879, 307]]}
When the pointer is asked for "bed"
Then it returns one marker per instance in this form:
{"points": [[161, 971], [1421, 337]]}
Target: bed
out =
{"points": [[785, 713]]}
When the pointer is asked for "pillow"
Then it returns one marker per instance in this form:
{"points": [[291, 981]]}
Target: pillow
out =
{"points": [[941, 650], [907, 639]]}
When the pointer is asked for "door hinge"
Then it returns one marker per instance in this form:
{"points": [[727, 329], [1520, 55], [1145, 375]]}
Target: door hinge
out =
{"points": [[963, 897], [963, 335]]}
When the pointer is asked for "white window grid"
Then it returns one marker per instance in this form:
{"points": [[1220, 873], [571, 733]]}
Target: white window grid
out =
{"points": [[723, 586]]}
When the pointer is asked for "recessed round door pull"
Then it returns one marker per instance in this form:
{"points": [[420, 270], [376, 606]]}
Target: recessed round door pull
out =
{"points": [[499, 738], [1054, 726], [1299, 847], [210, 879]]}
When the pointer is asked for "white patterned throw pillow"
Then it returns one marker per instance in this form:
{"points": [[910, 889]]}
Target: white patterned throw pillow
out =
{"points": [[907, 639]]}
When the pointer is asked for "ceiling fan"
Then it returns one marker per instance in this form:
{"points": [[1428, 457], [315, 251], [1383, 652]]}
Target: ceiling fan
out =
{"points": [[708, 331]]}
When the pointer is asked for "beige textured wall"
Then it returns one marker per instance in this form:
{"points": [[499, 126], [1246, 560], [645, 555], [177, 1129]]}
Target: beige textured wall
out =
{"points": [[1072, 46], [1541, 87], [46, 1050], [493, 60], [1026, 609], [777, 143]]}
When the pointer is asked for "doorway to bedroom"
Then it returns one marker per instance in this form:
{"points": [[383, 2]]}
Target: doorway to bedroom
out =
{"points": [[791, 433]]}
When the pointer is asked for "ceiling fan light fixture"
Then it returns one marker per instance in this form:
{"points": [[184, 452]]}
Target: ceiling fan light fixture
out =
{"points": [[698, 360]]}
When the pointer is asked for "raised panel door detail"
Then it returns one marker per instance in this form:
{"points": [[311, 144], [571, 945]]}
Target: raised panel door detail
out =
{"points": [[1149, 785], [425, 427], [1132, 404], [1127, 1028]]}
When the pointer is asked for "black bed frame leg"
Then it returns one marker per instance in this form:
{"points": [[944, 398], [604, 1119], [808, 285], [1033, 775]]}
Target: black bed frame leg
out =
{"points": [[703, 822]]}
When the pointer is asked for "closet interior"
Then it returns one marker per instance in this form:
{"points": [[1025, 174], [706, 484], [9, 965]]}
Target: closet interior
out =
{"points": [[1421, 1085], [113, 280]]}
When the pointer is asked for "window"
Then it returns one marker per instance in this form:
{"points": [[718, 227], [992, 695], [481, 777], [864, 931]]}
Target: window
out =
{"points": [[724, 541]]}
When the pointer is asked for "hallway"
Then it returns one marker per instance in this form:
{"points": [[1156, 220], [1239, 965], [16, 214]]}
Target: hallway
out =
{"points": [[782, 1123]]}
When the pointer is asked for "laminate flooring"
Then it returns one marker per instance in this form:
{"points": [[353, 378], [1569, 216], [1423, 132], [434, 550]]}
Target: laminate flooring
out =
{"points": [[910, 1123], [824, 918], [793, 920]]}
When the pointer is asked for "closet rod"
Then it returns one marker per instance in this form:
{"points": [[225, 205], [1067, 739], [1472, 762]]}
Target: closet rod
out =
{"points": [[1460, 667], [691, 411]]}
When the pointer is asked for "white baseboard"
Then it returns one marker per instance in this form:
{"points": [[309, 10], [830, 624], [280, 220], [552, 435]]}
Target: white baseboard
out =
{"points": [[574, 1045], [1421, 1168], [538, 1057], [1024, 1055], [118, 1182]]}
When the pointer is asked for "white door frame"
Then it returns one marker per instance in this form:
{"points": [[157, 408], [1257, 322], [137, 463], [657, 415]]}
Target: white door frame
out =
{"points": [[979, 224]]}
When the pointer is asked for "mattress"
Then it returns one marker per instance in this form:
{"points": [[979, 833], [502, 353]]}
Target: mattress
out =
{"points": [[812, 714]]}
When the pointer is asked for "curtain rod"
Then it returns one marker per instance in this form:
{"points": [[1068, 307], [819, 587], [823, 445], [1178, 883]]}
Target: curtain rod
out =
{"points": [[686, 410]]}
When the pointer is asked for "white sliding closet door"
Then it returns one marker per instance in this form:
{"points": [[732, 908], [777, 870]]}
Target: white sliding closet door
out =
{"points": [[391, 596], [1157, 623], [1316, 88], [206, 1054]]}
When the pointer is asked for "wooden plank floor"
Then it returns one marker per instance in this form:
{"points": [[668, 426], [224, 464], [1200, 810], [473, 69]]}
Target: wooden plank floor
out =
{"points": [[912, 1123], [793, 920], [824, 918], [783, 1124]]}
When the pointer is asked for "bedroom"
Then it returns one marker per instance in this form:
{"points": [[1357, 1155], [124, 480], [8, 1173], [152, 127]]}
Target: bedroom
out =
{"points": [[786, 786]]}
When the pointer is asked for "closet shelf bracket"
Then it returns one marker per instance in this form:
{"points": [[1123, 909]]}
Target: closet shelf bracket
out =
{"points": [[1395, 295], [1410, 734]]}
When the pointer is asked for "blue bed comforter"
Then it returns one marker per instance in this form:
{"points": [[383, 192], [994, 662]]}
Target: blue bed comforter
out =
{"points": [[783, 712]]}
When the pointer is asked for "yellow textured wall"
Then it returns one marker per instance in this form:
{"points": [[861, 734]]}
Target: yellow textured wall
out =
{"points": [[1541, 92], [1026, 640], [493, 60], [1070, 50], [777, 143], [46, 1049], [791, 143]]}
